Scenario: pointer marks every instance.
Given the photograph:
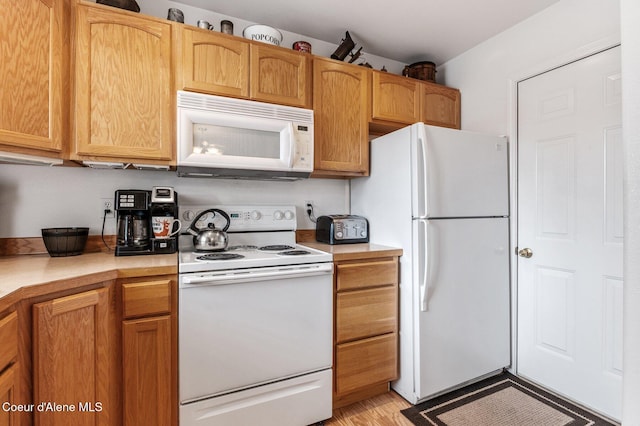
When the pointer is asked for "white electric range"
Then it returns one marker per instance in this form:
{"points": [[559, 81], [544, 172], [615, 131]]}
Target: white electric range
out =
{"points": [[255, 322]]}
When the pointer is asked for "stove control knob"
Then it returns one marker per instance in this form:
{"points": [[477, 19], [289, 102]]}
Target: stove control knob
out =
{"points": [[256, 215], [288, 214], [188, 215], [277, 215]]}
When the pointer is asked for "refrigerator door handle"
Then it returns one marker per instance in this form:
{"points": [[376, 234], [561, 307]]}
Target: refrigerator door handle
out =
{"points": [[425, 267], [422, 174]]}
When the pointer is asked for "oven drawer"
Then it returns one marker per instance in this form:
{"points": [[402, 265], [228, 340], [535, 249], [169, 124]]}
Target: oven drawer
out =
{"points": [[366, 313], [366, 362], [146, 298], [370, 274]]}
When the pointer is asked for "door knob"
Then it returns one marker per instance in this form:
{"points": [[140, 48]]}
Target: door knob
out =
{"points": [[525, 252]]}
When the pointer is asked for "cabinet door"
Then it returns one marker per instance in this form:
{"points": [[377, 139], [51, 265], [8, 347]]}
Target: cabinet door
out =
{"points": [[440, 105], [34, 72], [366, 362], [395, 98], [124, 106], [280, 76], [214, 63], [358, 275], [147, 371], [8, 380], [366, 313], [71, 356], [341, 107]]}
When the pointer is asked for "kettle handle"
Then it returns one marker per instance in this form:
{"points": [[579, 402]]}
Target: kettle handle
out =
{"points": [[193, 229]]}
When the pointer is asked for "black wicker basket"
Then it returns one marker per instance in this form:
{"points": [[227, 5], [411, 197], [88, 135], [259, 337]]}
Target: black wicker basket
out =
{"points": [[65, 241]]}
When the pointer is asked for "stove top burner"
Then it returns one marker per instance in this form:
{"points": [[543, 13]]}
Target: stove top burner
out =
{"points": [[294, 252], [242, 247], [220, 256], [276, 247]]}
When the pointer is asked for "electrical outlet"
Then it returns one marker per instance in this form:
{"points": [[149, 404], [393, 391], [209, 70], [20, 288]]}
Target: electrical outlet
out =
{"points": [[107, 204], [308, 209]]}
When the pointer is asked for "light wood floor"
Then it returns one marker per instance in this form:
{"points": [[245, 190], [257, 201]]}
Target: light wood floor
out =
{"points": [[382, 410]]}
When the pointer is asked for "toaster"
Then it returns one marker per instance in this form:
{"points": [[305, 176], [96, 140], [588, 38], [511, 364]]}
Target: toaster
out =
{"points": [[342, 229]]}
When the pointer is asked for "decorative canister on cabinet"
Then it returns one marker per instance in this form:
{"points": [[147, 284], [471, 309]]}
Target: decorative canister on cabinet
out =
{"points": [[425, 70]]}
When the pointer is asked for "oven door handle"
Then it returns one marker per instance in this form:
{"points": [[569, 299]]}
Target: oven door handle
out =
{"points": [[256, 275]]}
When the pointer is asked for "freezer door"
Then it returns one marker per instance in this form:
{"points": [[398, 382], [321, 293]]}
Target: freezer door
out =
{"points": [[459, 173], [462, 315]]}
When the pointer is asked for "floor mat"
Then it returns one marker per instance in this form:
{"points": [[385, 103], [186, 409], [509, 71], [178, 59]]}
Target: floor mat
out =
{"points": [[502, 400]]}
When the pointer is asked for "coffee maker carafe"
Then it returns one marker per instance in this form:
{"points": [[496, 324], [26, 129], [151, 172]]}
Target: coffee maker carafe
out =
{"points": [[134, 222]]}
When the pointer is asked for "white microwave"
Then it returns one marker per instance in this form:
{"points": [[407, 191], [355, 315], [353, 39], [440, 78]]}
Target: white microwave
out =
{"points": [[237, 138]]}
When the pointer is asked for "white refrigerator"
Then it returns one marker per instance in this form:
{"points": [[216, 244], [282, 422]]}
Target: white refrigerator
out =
{"points": [[442, 195]]}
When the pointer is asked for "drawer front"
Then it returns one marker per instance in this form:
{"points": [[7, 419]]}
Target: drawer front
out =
{"points": [[367, 274], [146, 298], [8, 339], [366, 313], [366, 362]]}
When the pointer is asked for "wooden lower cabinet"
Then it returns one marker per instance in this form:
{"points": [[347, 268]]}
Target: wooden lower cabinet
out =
{"points": [[366, 328], [146, 364], [72, 360], [149, 351], [366, 362], [8, 368], [8, 383], [102, 355]]}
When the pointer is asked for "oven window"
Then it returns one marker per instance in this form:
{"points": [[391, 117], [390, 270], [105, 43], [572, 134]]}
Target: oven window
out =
{"points": [[232, 141]]}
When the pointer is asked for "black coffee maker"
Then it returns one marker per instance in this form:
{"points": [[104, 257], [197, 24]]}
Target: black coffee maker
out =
{"points": [[134, 222], [147, 221], [165, 225]]}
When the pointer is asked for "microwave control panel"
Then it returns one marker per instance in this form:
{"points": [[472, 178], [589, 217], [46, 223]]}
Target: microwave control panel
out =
{"points": [[303, 136]]}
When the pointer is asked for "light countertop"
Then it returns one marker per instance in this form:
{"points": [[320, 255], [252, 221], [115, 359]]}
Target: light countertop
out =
{"points": [[22, 272], [354, 251]]}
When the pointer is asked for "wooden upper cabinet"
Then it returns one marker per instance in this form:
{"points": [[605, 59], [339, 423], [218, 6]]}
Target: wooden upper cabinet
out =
{"points": [[440, 105], [395, 98], [214, 63], [280, 76], [399, 101], [224, 65], [124, 101], [34, 76], [341, 107]]}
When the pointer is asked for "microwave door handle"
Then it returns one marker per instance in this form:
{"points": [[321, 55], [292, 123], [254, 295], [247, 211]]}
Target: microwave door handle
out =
{"points": [[291, 143]]}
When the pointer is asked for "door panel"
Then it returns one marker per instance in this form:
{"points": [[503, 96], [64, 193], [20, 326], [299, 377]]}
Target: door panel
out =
{"points": [[466, 174], [570, 216], [464, 331]]}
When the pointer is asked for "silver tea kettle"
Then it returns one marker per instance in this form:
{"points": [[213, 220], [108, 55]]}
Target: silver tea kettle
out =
{"points": [[210, 238]]}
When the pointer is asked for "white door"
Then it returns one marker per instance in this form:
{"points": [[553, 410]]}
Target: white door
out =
{"points": [[570, 217]]}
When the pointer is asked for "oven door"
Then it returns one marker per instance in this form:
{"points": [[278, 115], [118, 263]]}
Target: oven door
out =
{"points": [[249, 327]]}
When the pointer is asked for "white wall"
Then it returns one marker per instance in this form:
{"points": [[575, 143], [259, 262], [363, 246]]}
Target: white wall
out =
{"points": [[630, 17], [483, 74], [33, 197], [567, 30]]}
